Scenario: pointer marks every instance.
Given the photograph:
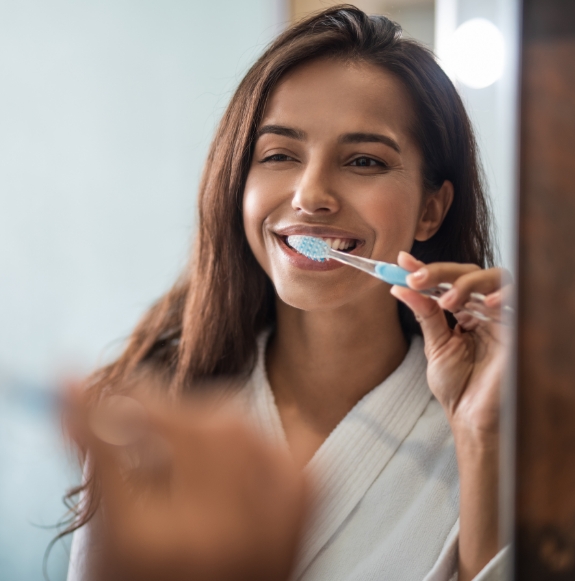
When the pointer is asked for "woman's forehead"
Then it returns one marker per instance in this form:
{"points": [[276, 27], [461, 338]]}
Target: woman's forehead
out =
{"points": [[331, 94]]}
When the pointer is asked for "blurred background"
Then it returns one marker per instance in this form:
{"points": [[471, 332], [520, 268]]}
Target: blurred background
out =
{"points": [[107, 108]]}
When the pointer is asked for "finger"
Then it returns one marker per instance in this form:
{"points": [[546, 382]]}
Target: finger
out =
{"points": [[409, 262], [184, 426], [428, 314], [77, 407], [433, 274], [125, 449], [478, 281], [466, 320], [501, 297], [111, 475], [198, 434]]}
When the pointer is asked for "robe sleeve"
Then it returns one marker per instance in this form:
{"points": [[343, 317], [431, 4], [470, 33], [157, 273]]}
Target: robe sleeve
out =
{"points": [[78, 554], [445, 568], [86, 549], [86, 554]]}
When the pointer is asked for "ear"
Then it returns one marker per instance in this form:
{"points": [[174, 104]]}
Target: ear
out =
{"points": [[434, 210]]}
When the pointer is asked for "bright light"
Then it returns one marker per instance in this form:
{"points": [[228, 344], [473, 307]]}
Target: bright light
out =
{"points": [[476, 53]]}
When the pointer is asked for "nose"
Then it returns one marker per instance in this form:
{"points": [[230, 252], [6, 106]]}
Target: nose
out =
{"points": [[314, 193]]}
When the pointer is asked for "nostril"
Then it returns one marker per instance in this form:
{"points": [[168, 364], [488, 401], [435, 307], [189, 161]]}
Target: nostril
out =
{"points": [[314, 200], [311, 210]]}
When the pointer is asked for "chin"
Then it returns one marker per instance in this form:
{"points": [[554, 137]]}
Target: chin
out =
{"points": [[318, 296], [312, 304]]}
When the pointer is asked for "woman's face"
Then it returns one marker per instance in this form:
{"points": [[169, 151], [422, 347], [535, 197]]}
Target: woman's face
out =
{"points": [[334, 158]]}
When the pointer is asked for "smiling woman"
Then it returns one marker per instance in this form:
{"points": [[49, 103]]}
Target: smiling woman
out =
{"points": [[346, 131], [335, 158]]}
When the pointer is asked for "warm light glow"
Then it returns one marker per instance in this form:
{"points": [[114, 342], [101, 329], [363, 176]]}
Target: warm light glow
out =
{"points": [[476, 53]]}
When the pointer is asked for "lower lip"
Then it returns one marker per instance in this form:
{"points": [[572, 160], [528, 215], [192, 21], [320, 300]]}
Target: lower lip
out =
{"points": [[300, 261]]}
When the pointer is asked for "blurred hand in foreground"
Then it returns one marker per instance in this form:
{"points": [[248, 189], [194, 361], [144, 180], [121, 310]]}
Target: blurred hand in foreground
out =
{"points": [[197, 496]]}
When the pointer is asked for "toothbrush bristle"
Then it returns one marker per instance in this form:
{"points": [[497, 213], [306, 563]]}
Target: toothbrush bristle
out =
{"points": [[313, 248]]}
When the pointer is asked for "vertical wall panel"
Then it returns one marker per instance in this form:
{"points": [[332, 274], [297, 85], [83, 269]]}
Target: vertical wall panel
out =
{"points": [[545, 483]]}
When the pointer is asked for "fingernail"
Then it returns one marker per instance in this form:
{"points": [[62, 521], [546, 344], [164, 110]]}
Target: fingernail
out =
{"points": [[420, 274], [493, 298], [449, 295]]}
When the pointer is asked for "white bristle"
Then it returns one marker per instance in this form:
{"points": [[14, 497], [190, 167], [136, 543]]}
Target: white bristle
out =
{"points": [[313, 248]]}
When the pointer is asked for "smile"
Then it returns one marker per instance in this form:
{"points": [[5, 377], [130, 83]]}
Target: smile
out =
{"points": [[344, 242], [341, 244]]}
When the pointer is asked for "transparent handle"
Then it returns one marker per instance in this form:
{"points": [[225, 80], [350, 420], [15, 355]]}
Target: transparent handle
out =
{"points": [[479, 310]]}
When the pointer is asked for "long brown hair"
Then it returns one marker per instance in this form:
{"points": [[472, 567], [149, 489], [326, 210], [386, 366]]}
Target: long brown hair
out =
{"points": [[207, 324]]}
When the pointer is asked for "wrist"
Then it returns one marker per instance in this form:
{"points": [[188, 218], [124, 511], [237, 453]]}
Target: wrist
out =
{"points": [[472, 440]]}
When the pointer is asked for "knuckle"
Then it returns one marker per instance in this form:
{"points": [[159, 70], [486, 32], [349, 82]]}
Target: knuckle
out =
{"points": [[429, 313]]}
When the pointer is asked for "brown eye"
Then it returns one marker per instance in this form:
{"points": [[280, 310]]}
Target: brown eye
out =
{"points": [[366, 162], [277, 157]]}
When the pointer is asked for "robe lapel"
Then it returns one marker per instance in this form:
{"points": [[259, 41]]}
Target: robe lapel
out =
{"points": [[358, 449], [355, 453]]}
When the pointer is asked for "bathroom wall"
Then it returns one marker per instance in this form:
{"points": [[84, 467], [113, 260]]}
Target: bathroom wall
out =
{"points": [[107, 108]]}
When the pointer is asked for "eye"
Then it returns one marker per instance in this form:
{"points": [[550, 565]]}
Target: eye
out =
{"points": [[277, 157], [365, 161]]}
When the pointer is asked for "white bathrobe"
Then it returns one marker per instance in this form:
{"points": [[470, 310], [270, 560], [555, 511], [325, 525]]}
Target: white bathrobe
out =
{"points": [[386, 488]]}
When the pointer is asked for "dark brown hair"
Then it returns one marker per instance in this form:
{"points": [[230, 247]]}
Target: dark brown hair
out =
{"points": [[208, 323]]}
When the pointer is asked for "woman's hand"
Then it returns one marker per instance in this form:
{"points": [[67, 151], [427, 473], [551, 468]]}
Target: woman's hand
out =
{"points": [[199, 497], [465, 364], [465, 368]]}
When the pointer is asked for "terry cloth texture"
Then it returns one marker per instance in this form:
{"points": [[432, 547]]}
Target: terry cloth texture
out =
{"points": [[385, 482]]}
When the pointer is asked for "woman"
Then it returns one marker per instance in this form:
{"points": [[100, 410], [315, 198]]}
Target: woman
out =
{"points": [[346, 131]]}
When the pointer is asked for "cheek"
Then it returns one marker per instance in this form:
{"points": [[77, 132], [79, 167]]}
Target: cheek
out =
{"points": [[255, 211], [394, 220]]}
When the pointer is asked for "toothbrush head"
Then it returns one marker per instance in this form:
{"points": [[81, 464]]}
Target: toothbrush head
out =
{"points": [[313, 248]]}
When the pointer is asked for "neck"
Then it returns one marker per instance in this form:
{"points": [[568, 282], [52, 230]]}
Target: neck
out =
{"points": [[321, 363]]}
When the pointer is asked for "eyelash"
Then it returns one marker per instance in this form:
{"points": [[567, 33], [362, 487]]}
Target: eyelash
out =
{"points": [[283, 157], [377, 163], [279, 157]]}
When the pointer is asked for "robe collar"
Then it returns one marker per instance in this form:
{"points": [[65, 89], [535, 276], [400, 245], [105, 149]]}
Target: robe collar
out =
{"points": [[356, 451]]}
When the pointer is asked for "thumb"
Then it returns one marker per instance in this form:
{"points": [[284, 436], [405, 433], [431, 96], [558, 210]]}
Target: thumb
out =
{"points": [[436, 331]]}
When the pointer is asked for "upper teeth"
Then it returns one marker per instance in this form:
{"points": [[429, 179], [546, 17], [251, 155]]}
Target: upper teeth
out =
{"points": [[339, 243]]}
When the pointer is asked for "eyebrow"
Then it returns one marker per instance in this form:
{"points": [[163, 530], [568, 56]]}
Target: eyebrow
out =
{"points": [[370, 138], [281, 130], [347, 138]]}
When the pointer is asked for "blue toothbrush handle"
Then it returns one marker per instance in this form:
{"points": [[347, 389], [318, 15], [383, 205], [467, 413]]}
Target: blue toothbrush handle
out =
{"points": [[391, 273]]}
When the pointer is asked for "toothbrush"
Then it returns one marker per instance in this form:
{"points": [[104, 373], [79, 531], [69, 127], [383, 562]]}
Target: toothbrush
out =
{"points": [[320, 250]]}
